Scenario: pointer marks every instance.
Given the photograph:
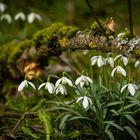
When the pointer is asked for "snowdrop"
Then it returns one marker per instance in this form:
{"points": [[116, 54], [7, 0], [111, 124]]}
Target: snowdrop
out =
{"points": [[64, 80], [99, 60], [6, 17], [25, 84], [20, 15], [131, 88], [83, 80], [60, 89], [110, 61], [137, 63], [123, 58], [48, 86], [118, 69], [2, 7], [86, 101], [32, 16]]}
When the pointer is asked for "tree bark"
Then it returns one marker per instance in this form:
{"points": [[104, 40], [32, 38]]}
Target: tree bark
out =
{"points": [[17, 58]]}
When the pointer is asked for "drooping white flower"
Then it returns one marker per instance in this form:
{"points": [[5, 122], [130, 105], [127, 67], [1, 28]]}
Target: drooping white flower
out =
{"points": [[118, 69], [86, 101], [60, 89], [6, 17], [83, 80], [130, 87], [25, 84], [120, 35], [123, 58], [99, 60], [2, 7], [48, 86], [20, 15], [137, 63], [64, 80], [32, 16], [110, 61]]}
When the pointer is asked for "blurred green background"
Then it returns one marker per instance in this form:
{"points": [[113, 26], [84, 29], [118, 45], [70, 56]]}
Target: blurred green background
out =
{"points": [[74, 12]]}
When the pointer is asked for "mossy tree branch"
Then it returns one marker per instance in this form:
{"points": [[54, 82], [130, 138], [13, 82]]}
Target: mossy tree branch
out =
{"points": [[55, 39]]}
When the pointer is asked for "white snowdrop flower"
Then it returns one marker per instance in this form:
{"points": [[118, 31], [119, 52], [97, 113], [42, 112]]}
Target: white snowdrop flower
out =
{"points": [[118, 69], [6, 17], [32, 16], [86, 101], [110, 61], [120, 35], [93, 60], [2, 7], [137, 63], [60, 89], [83, 80], [64, 80], [123, 58], [25, 84], [99, 60], [131, 88], [48, 86], [20, 15]]}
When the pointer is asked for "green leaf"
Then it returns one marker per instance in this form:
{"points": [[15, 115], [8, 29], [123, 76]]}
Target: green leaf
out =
{"points": [[63, 120], [46, 119], [110, 135], [74, 134], [114, 103], [114, 112], [127, 107], [70, 110], [80, 117], [28, 132], [130, 131], [130, 118], [114, 124]]}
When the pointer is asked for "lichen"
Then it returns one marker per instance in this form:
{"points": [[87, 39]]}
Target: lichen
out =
{"points": [[63, 42], [137, 52], [92, 45]]}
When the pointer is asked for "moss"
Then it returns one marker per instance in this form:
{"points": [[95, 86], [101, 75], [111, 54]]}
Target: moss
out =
{"points": [[96, 29], [47, 36], [126, 34], [17, 50], [67, 31]]}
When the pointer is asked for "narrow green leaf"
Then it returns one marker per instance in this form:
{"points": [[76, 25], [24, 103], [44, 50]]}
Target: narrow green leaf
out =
{"points": [[127, 107], [130, 131], [46, 119], [28, 132], [114, 112], [110, 135], [80, 117], [114, 124], [114, 103], [130, 118], [63, 120]]}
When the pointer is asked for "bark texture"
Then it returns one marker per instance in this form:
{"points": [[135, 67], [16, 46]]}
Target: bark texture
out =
{"points": [[18, 58]]}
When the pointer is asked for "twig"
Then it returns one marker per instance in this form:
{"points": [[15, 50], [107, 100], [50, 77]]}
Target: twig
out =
{"points": [[18, 123], [94, 13], [130, 17]]}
